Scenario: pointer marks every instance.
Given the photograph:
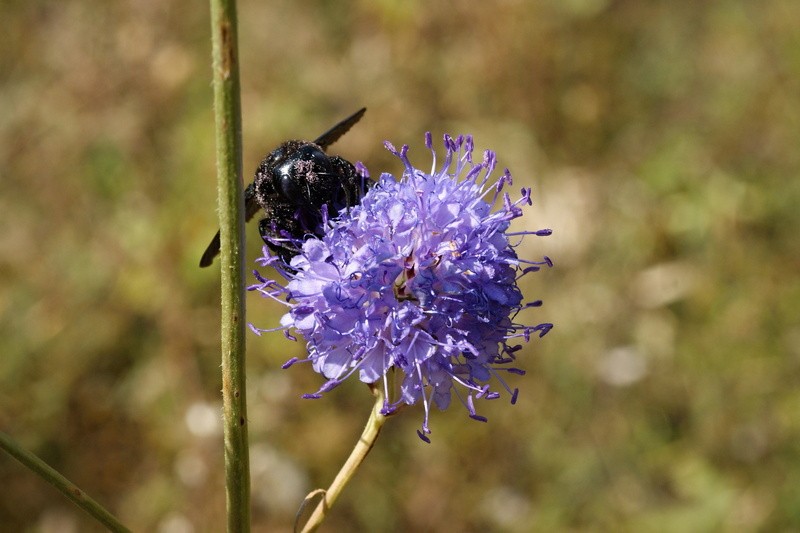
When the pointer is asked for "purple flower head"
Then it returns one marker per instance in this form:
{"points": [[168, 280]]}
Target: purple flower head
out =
{"points": [[420, 277]]}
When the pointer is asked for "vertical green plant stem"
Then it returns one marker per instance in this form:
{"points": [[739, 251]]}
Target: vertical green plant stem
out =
{"points": [[227, 115], [357, 456], [69, 489]]}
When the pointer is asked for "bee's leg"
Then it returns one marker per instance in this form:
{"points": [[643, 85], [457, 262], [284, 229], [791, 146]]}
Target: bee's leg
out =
{"points": [[278, 232]]}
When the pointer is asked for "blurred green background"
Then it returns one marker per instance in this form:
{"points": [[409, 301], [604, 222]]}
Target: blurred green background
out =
{"points": [[661, 140]]}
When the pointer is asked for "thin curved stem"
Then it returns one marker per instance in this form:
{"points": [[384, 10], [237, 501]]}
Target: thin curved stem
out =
{"points": [[68, 488], [357, 456]]}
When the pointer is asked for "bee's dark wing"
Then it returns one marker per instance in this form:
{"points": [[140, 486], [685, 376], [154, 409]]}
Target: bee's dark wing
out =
{"points": [[211, 252], [251, 207], [333, 134]]}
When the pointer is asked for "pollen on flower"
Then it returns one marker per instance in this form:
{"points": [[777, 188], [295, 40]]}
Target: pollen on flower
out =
{"points": [[421, 277]]}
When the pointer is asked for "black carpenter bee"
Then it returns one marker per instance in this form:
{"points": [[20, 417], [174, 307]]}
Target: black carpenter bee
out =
{"points": [[292, 185]]}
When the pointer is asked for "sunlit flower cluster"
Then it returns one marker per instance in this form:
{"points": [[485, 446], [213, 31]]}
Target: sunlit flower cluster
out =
{"points": [[420, 277]]}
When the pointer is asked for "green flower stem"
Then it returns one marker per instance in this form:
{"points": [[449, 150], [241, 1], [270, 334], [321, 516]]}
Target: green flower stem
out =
{"points": [[227, 115], [69, 489], [357, 456]]}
